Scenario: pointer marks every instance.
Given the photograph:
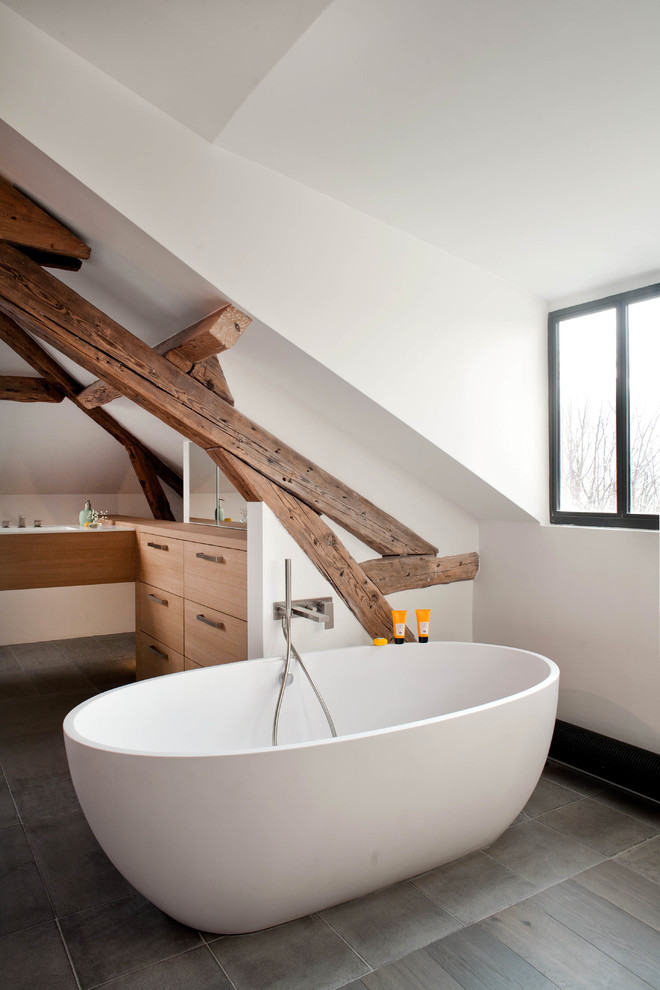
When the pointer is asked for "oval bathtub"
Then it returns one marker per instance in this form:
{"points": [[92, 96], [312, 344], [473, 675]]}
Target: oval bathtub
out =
{"points": [[440, 746]]}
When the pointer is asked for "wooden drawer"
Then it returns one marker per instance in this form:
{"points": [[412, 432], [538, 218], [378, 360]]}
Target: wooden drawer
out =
{"points": [[152, 659], [191, 665], [161, 562], [208, 644], [160, 614], [217, 577]]}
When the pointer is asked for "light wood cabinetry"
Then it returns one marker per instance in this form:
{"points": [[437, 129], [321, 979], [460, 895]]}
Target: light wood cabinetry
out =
{"points": [[191, 597], [160, 615], [213, 637], [153, 658], [161, 561]]}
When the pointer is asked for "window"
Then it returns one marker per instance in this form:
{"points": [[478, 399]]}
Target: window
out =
{"points": [[604, 362]]}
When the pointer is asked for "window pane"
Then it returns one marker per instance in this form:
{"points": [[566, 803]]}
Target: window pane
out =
{"points": [[587, 412], [644, 365]]}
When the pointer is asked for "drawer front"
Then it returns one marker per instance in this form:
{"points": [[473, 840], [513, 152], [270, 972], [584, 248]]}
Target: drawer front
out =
{"points": [[161, 562], [153, 659], [160, 614], [191, 665], [217, 577], [213, 637]]}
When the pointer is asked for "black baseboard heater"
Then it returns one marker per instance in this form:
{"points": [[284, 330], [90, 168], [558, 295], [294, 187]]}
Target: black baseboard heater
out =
{"points": [[613, 761]]}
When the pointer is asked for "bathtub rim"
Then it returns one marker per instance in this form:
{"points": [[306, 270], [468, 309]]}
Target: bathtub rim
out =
{"points": [[75, 736]]}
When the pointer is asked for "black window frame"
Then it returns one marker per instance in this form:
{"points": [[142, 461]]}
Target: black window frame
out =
{"points": [[622, 518]]}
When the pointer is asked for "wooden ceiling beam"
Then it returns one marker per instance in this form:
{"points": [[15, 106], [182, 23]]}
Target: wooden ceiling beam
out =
{"points": [[189, 351], [409, 571], [39, 359], [209, 374], [18, 388], [325, 550], [49, 260], [151, 486], [26, 225], [58, 314]]}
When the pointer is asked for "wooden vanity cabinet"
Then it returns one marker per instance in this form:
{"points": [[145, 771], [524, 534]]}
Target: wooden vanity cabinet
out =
{"points": [[153, 658], [191, 599]]}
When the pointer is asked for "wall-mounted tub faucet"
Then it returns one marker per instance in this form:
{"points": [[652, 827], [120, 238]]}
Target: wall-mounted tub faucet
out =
{"points": [[309, 609], [317, 609]]}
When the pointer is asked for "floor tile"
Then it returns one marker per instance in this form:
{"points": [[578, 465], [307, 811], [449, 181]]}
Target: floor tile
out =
{"points": [[36, 960], [107, 674], [473, 887], [547, 796], [194, 970], [541, 855], [45, 798], [575, 780], [390, 923], [598, 826], [60, 678], [35, 756], [632, 943], [119, 644], [76, 871], [82, 648], [644, 859], [641, 808], [558, 953], [8, 814], [34, 655], [476, 959], [16, 683], [628, 890], [301, 955], [418, 971], [38, 774], [8, 660], [38, 713], [23, 899], [120, 937]]}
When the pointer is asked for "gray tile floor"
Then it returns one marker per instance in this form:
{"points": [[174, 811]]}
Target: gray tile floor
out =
{"points": [[568, 897]]}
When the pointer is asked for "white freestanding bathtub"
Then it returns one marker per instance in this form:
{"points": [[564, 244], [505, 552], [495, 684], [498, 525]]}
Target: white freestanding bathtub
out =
{"points": [[440, 745]]}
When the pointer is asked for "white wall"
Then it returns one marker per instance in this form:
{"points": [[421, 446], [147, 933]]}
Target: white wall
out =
{"points": [[453, 351], [269, 545], [43, 614], [588, 599], [63, 510]]}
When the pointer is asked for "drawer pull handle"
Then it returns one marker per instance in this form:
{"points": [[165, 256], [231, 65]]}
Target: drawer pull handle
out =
{"points": [[210, 622], [158, 601], [207, 556], [158, 546], [161, 656]]}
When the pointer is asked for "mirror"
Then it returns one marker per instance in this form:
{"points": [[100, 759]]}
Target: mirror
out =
{"points": [[205, 488]]}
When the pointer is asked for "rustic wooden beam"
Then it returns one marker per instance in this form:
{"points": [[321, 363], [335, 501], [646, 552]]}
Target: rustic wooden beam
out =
{"points": [[239, 478], [408, 571], [212, 335], [209, 374], [25, 224], [22, 389], [151, 486], [325, 550], [58, 314], [39, 359], [187, 350], [49, 260]]}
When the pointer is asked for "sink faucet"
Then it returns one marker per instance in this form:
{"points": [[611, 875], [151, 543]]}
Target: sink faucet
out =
{"points": [[22, 520]]}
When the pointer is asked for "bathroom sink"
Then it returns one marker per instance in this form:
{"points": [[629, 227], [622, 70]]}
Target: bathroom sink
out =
{"points": [[43, 529]]}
